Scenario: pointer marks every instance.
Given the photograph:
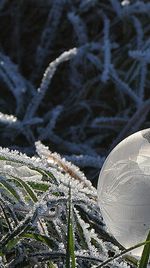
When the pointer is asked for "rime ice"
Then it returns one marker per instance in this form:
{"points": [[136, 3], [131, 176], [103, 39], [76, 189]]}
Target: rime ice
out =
{"points": [[124, 190]]}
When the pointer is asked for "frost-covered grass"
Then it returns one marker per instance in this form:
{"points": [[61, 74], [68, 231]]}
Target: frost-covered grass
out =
{"points": [[49, 215], [73, 74]]}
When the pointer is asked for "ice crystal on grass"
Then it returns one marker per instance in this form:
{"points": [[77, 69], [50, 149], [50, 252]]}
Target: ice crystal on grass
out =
{"points": [[37, 210]]}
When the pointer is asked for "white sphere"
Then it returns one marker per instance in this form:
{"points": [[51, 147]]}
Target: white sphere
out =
{"points": [[124, 190]]}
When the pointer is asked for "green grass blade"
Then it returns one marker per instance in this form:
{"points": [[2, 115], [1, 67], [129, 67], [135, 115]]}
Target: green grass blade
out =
{"points": [[38, 186], [70, 255], [27, 188], [12, 243], [7, 186], [35, 236], [125, 251], [5, 215], [50, 264], [40, 238], [145, 254]]}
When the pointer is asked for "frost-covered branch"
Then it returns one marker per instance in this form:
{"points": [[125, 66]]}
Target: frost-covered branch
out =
{"points": [[49, 32], [107, 49], [46, 80], [79, 28]]}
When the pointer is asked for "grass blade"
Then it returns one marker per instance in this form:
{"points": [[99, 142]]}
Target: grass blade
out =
{"points": [[27, 188], [5, 216], [145, 254], [70, 255], [103, 264], [40, 238], [9, 188]]}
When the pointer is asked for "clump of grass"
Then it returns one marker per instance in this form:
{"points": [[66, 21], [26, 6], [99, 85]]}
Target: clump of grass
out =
{"points": [[41, 224]]}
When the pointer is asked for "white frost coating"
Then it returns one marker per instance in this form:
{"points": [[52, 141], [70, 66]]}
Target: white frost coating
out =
{"points": [[7, 119], [88, 235], [46, 80], [80, 183], [124, 190], [125, 3], [20, 171], [68, 167]]}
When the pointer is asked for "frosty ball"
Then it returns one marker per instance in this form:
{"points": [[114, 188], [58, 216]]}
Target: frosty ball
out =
{"points": [[124, 190]]}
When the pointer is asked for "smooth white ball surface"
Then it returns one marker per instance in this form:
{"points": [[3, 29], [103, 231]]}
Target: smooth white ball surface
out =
{"points": [[124, 190]]}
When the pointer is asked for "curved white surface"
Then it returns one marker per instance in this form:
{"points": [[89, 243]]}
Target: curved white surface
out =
{"points": [[124, 190]]}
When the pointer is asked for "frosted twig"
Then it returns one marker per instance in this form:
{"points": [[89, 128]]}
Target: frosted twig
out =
{"points": [[142, 82], [46, 80], [79, 28], [139, 31], [13, 79], [49, 32], [54, 114], [124, 87], [107, 121], [117, 7], [76, 77], [138, 7], [86, 5], [72, 147], [107, 49], [141, 55], [86, 160]]}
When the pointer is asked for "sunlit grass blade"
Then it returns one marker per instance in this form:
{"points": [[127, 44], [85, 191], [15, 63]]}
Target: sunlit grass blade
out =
{"points": [[70, 255], [145, 254], [103, 264]]}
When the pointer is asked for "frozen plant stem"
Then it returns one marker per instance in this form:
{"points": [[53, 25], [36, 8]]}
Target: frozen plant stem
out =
{"points": [[46, 80], [70, 252]]}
